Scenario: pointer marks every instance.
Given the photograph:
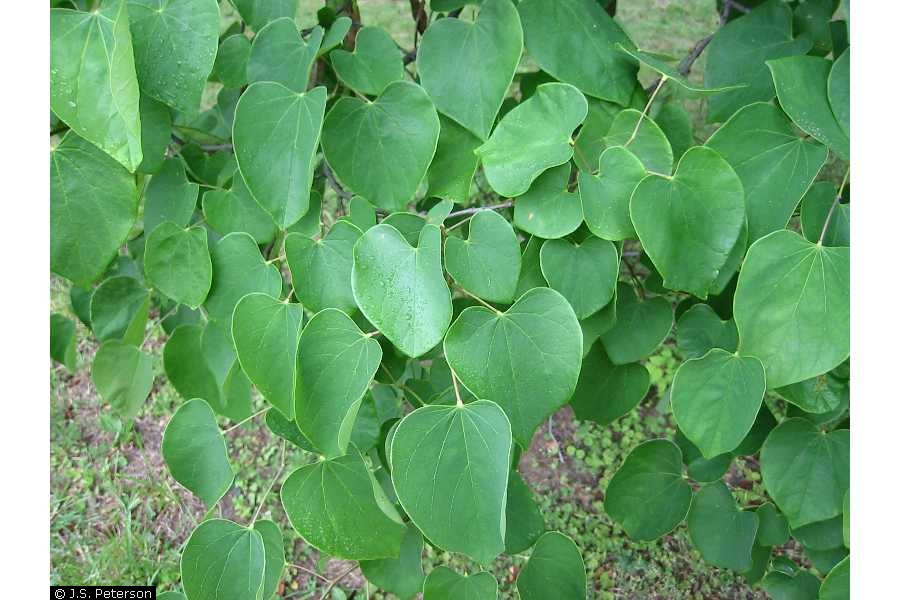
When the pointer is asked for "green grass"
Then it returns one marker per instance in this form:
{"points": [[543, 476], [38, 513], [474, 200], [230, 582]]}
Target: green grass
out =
{"points": [[117, 516]]}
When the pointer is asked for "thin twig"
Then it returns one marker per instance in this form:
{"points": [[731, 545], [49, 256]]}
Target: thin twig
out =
{"points": [[333, 182], [306, 570], [477, 209], [559, 453], [250, 418], [262, 501], [479, 300], [684, 67], [837, 200], [646, 110], [337, 579]]}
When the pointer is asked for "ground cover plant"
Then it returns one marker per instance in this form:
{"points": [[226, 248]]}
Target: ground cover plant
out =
{"points": [[393, 260]]}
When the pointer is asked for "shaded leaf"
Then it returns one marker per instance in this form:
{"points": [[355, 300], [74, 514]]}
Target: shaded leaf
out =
{"points": [[177, 263], [722, 532], [607, 391], [320, 269], [640, 326], [548, 210], [488, 262], [554, 569], [584, 273]]}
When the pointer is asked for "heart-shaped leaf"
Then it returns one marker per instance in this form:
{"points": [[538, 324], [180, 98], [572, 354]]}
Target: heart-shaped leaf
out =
{"points": [[230, 68], [334, 504], [698, 468], [123, 376], [640, 326], [401, 289], [689, 223], [738, 53], [227, 211], [532, 137], [449, 465], [119, 309], [280, 55], [335, 35], [266, 332], [715, 399], [222, 555], [606, 195], [177, 263], [93, 84], [641, 135], [792, 307], [700, 330], [524, 521], [258, 13], [802, 86], [381, 150], [722, 532], [526, 359], [335, 365], [648, 496], [63, 341], [484, 54], [585, 273], [195, 452], [776, 166], [805, 471], [488, 262], [814, 210], [606, 391], [88, 192], [555, 569], [175, 44], [576, 42], [451, 172], [374, 63], [548, 210], [156, 133], [320, 269], [238, 269], [403, 575], [773, 527], [276, 133], [817, 395], [169, 196], [444, 584]]}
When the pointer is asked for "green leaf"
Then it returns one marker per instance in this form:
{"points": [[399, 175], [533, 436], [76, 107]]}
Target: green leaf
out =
{"points": [[677, 125], [821, 535], [266, 332], [88, 192], [227, 211], [156, 134], [814, 211], [287, 429], [360, 213], [169, 196], [175, 45], [335, 35], [403, 575], [548, 210], [554, 569], [689, 223], [449, 465], [444, 584], [607, 391], [715, 399], [171, 596], [584, 273], [576, 42], [230, 67], [195, 452], [812, 20], [773, 527], [836, 585], [776, 167], [701, 469], [280, 55], [802, 86], [640, 326], [524, 521], [488, 262], [401, 289], [530, 275], [839, 90], [276, 132], [780, 586], [320, 269], [671, 73], [177, 263], [119, 308], [765, 423], [484, 54], [223, 561], [722, 532], [700, 330], [589, 143], [258, 13], [273, 544], [820, 394], [846, 519], [738, 53], [93, 85], [643, 137], [806, 471], [606, 195], [239, 269], [451, 172], [63, 341], [648, 496], [792, 307], [381, 150], [526, 359], [335, 365], [375, 62], [333, 504], [123, 376], [532, 137]]}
